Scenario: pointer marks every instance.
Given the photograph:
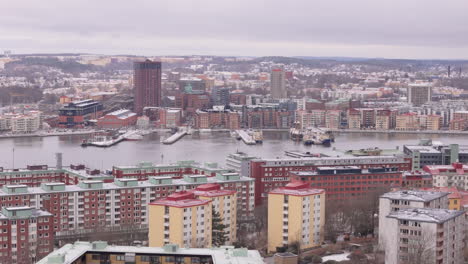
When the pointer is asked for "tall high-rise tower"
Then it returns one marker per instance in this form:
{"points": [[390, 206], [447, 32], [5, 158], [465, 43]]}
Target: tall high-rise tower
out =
{"points": [[419, 93], [146, 84], [278, 84]]}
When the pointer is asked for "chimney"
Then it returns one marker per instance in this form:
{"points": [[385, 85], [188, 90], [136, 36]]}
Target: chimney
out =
{"points": [[58, 159]]}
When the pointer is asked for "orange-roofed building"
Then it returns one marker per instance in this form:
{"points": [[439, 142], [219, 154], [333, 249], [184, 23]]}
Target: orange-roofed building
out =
{"points": [[296, 213], [180, 219]]}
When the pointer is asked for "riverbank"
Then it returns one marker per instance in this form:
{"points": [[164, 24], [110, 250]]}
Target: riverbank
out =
{"points": [[426, 132]]}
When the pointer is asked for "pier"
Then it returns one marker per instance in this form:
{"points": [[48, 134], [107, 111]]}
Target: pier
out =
{"points": [[178, 135], [248, 139]]}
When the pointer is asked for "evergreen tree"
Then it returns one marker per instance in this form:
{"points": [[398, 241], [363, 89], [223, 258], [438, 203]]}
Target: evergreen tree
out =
{"points": [[218, 235]]}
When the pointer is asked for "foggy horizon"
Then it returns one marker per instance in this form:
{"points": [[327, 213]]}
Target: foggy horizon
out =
{"points": [[360, 28]]}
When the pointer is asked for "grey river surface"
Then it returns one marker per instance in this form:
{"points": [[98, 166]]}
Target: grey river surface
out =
{"points": [[202, 147]]}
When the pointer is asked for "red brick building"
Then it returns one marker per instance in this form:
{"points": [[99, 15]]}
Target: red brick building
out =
{"points": [[118, 119], [226, 119], [147, 84], [273, 173], [192, 101], [349, 182], [26, 235]]}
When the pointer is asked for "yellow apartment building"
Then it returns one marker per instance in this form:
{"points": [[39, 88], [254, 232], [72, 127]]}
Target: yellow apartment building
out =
{"points": [[180, 219], [296, 213], [225, 203]]}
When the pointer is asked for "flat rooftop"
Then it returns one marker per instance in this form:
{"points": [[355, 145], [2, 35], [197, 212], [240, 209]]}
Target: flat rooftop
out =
{"points": [[414, 195], [429, 215], [223, 255]]}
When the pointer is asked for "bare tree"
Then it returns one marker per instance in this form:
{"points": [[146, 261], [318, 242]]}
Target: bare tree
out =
{"points": [[421, 248]]}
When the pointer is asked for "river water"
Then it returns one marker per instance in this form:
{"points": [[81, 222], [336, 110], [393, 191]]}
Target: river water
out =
{"points": [[202, 147]]}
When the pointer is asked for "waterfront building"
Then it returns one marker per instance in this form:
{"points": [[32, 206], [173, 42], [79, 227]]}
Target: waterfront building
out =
{"points": [[354, 119], [25, 123], [333, 119], [77, 114], [423, 235], [383, 120], [192, 100], [117, 119], [26, 235], [272, 173], [459, 121], [296, 214], [223, 202], [217, 118], [313, 118], [146, 84], [278, 84], [454, 175], [180, 219], [164, 117], [100, 251], [407, 121], [349, 182]]}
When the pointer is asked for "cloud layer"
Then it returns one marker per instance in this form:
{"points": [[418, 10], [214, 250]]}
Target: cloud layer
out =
{"points": [[354, 28]]}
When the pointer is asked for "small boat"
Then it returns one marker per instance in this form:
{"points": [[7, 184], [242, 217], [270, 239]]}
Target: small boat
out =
{"points": [[258, 136], [295, 132]]}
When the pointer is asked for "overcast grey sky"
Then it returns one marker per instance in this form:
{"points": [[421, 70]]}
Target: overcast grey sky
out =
{"points": [[352, 28]]}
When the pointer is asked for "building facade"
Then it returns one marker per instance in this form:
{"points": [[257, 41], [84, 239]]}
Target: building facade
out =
{"points": [[349, 182], [146, 84], [424, 235], [272, 173], [180, 219], [77, 114], [117, 119], [26, 236], [278, 84], [224, 202], [296, 214]]}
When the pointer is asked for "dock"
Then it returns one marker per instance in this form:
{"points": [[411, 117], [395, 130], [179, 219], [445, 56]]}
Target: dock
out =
{"points": [[178, 135], [248, 139], [111, 142]]}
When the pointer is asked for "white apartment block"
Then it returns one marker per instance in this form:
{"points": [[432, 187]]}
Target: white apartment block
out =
{"points": [[404, 199], [423, 235]]}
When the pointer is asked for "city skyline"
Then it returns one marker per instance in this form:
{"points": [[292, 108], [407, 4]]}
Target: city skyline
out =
{"points": [[361, 28]]}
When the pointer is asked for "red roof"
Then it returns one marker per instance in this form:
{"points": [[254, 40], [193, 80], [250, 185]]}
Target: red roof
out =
{"points": [[211, 190], [297, 188], [456, 167], [181, 200]]}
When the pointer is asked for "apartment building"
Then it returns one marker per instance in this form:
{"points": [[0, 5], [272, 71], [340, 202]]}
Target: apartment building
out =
{"points": [[404, 199], [101, 252], [120, 205], [224, 202], [296, 213], [423, 235], [180, 219], [25, 235]]}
